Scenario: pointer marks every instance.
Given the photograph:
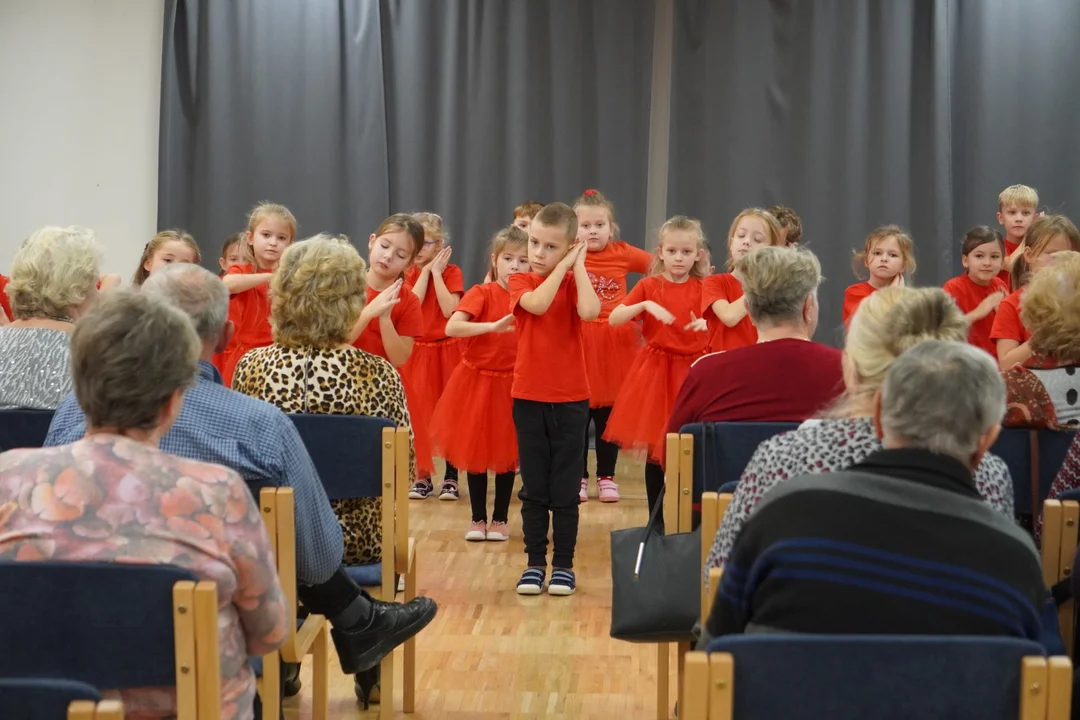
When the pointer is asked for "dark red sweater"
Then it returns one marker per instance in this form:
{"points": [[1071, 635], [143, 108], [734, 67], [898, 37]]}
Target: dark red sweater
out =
{"points": [[777, 381]]}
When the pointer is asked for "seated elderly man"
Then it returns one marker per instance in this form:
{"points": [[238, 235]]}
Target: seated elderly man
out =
{"points": [[259, 442], [902, 542]]}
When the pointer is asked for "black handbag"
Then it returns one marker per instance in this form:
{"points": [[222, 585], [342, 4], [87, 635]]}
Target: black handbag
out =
{"points": [[655, 583]]}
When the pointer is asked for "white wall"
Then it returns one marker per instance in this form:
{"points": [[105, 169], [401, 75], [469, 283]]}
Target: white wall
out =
{"points": [[79, 93]]}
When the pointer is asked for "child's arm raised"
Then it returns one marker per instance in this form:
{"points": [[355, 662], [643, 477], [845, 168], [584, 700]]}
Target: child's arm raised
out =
{"points": [[460, 325], [1011, 259], [625, 313], [988, 305], [239, 283], [398, 349], [382, 304], [588, 302], [730, 313], [539, 300], [447, 300]]}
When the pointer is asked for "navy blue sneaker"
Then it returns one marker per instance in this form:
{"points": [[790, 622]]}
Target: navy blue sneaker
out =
{"points": [[562, 582]]}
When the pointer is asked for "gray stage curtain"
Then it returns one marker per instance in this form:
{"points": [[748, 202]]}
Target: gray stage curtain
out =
{"points": [[831, 107], [347, 111], [490, 103], [278, 101]]}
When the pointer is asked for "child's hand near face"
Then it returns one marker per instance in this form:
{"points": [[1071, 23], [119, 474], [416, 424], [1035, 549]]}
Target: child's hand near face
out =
{"points": [[385, 301], [576, 250], [438, 265], [898, 280]]}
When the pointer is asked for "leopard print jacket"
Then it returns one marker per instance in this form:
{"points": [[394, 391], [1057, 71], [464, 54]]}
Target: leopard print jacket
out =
{"points": [[332, 381]]}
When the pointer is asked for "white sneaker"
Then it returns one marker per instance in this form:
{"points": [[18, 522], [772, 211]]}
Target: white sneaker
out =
{"points": [[584, 495]]}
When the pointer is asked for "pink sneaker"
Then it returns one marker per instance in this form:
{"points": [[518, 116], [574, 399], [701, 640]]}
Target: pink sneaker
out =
{"points": [[498, 531], [477, 531], [609, 491], [584, 495]]}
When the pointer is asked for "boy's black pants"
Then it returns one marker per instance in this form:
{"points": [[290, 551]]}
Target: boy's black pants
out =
{"points": [[551, 441]]}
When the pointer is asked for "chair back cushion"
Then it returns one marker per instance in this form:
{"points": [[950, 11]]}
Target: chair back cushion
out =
{"points": [[1014, 447], [723, 450], [106, 624], [347, 452], [24, 428], [40, 698], [836, 677]]}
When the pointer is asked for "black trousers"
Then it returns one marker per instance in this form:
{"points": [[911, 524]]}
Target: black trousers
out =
{"points": [[607, 454], [551, 440], [451, 472], [654, 485], [504, 487], [334, 597]]}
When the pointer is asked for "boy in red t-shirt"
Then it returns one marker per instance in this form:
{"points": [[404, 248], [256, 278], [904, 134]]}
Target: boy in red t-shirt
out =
{"points": [[1017, 207], [551, 393]]}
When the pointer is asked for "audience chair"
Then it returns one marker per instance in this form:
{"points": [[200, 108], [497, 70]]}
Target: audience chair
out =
{"points": [[344, 449], [885, 677], [1034, 458], [24, 428], [713, 507], [48, 699], [1060, 534], [113, 626], [721, 451], [309, 637]]}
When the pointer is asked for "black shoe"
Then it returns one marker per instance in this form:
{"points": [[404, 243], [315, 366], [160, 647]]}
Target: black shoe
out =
{"points": [[362, 648], [290, 681], [366, 686]]}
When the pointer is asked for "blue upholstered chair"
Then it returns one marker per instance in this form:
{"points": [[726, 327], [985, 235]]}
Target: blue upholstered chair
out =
{"points": [[47, 699], [365, 457], [24, 428], [723, 450], [113, 626], [885, 677]]}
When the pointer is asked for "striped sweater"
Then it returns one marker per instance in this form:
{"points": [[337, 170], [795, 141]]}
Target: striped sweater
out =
{"points": [[900, 543]]}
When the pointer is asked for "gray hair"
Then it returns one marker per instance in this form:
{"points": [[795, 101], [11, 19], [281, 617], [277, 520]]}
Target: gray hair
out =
{"points": [[777, 281], [129, 354], [55, 270], [942, 396], [195, 290]]}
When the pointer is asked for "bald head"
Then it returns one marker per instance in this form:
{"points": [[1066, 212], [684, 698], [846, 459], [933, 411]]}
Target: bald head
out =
{"points": [[197, 292]]}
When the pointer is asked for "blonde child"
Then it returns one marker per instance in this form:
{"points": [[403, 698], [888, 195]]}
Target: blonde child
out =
{"points": [[232, 252], [723, 305], [609, 349], [438, 285], [165, 248], [1044, 238], [674, 338], [473, 423], [551, 393], [979, 291], [1017, 208], [888, 254], [270, 229]]}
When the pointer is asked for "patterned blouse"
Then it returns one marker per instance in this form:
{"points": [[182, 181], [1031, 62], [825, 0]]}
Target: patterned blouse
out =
{"points": [[1042, 394], [332, 381], [822, 447], [107, 498], [35, 367]]}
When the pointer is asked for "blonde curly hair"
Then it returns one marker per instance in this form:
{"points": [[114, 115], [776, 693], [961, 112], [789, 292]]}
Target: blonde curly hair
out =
{"points": [[317, 292], [1050, 309], [55, 270]]}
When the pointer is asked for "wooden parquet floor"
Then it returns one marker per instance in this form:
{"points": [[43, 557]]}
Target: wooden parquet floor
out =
{"points": [[491, 654]]}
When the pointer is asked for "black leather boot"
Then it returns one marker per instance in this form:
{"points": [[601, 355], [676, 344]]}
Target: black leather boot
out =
{"points": [[364, 645]]}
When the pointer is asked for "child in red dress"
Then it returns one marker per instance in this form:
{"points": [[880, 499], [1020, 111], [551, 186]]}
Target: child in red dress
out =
{"points": [[473, 423], [723, 306], [609, 349], [979, 291], [1045, 237], [438, 285], [674, 338], [271, 228], [165, 248], [889, 254]]}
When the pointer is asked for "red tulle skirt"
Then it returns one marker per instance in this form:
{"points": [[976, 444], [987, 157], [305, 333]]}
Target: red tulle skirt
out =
{"points": [[639, 419], [473, 423], [425, 375], [609, 353], [228, 359]]}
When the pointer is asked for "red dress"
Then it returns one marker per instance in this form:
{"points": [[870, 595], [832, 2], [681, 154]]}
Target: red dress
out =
{"points": [[854, 295], [968, 294], [725, 287], [250, 314], [408, 322], [639, 419], [473, 423], [609, 351]]}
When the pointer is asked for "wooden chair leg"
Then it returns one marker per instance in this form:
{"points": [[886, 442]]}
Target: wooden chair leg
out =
{"points": [[386, 688], [680, 668], [694, 702], [271, 687], [320, 674], [408, 680], [663, 670]]}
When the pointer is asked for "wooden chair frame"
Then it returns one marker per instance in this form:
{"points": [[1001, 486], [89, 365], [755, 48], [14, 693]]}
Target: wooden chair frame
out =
{"points": [[90, 710], [312, 637], [198, 659], [1046, 688], [1061, 532]]}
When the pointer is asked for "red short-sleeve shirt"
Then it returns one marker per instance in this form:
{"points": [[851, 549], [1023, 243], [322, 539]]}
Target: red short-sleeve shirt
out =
{"points": [[725, 287], [4, 300], [968, 294], [250, 311], [680, 299], [1007, 324], [608, 269], [492, 351], [406, 317], [434, 320], [854, 295], [550, 364]]}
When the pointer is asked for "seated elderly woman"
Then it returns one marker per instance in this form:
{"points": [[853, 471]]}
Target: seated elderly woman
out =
{"points": [[317, 294], [53, 282], [886, 324], [132, 359], [785, 376], [1042, 391]]}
